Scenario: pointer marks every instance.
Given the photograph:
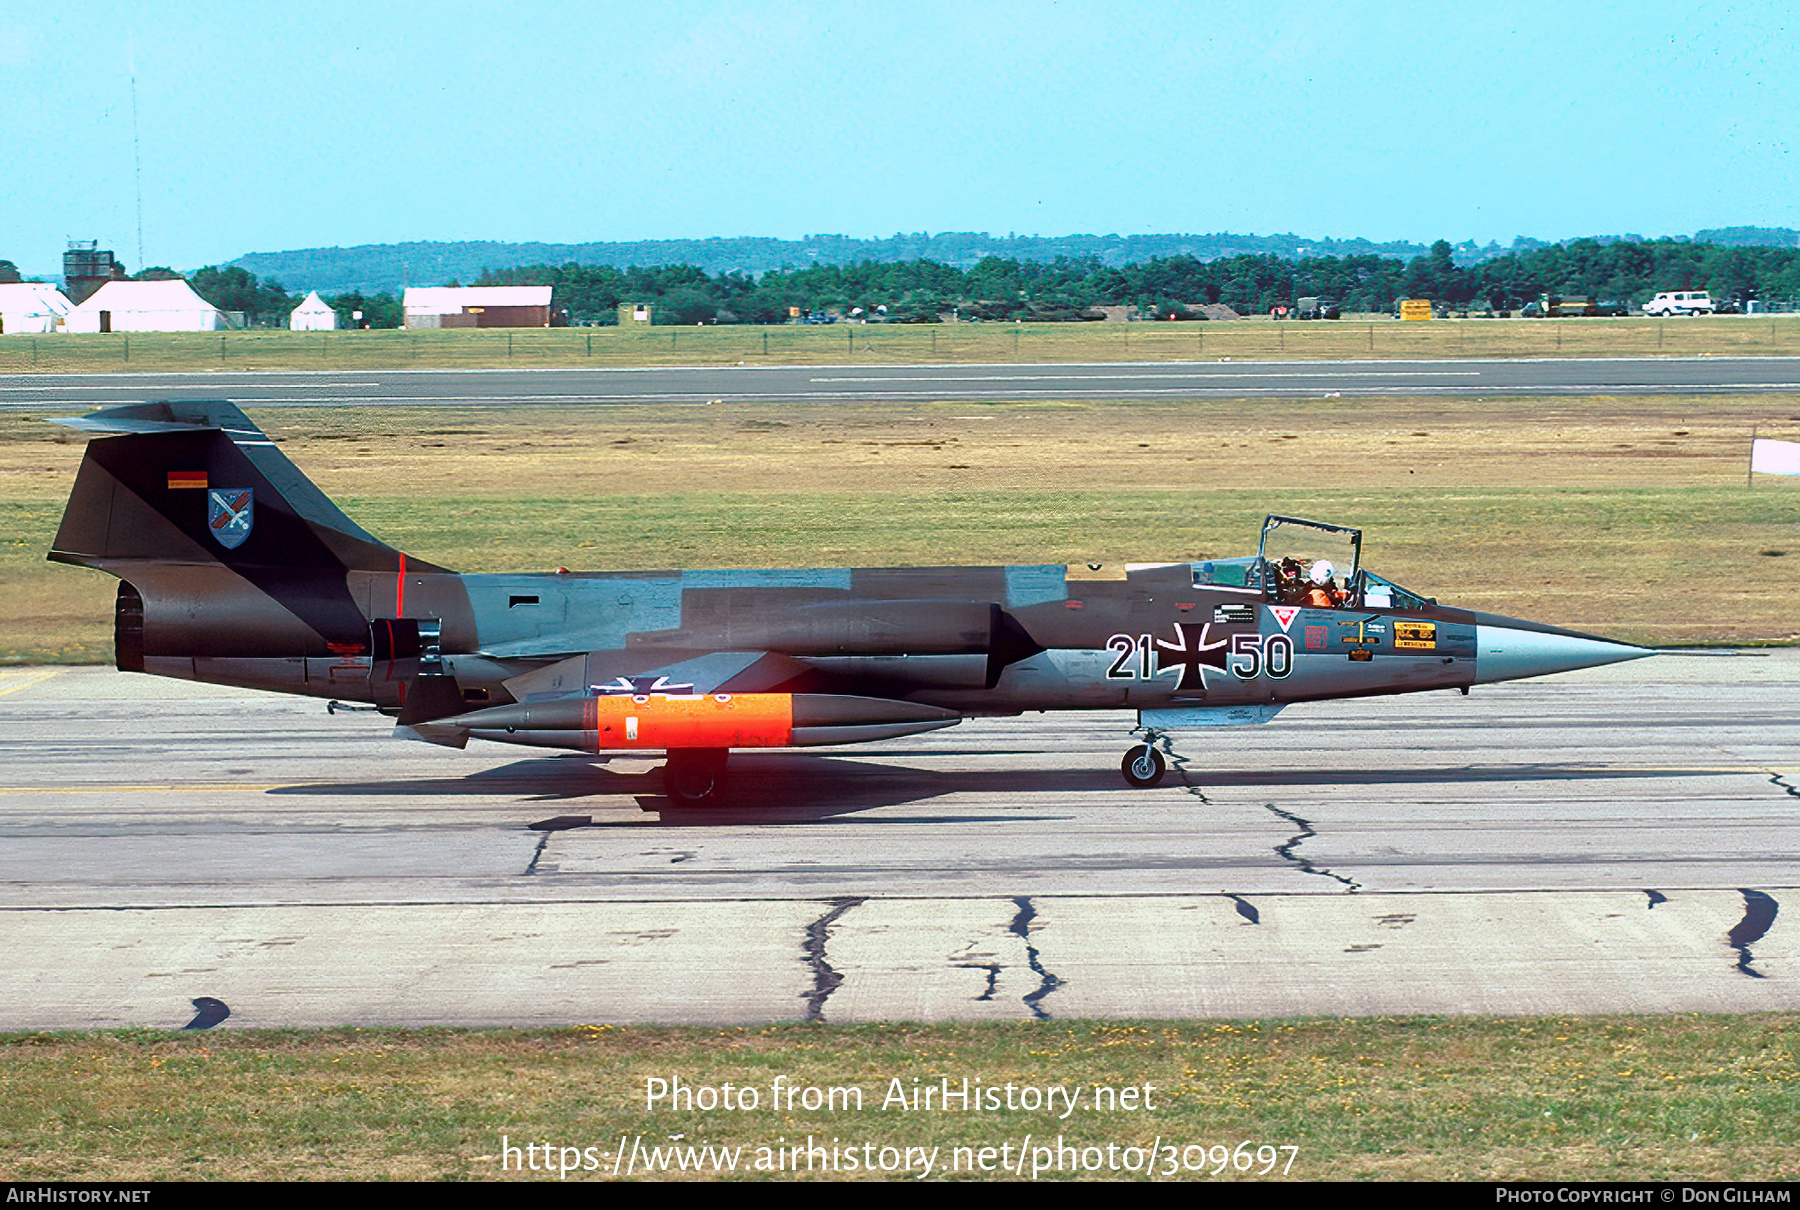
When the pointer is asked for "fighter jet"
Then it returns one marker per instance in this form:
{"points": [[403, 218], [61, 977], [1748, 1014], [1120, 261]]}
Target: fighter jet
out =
{"points": [[235, 569]]}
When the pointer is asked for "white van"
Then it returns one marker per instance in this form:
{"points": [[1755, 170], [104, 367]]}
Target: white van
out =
{"points": [[1680, 302]]}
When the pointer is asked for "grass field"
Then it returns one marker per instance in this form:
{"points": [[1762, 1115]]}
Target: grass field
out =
{"points": [[1627, 516], [1607, 1099], [1253, 339]]}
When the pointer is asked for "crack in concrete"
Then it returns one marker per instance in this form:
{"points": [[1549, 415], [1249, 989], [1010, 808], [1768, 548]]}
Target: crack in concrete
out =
{"points": [[1179, 763], [1656, 897], [531, 867], [1759, 914], [1021, 928], [825, 979], [1780, 783], [1286, 850], [993, 974]]}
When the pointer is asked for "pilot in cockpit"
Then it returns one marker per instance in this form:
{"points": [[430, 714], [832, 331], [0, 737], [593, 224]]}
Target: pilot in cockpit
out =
{"points": [[1322, 591]]}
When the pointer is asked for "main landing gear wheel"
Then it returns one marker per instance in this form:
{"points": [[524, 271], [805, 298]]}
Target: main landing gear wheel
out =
{"points": [[695, 777], [1143, 766]]}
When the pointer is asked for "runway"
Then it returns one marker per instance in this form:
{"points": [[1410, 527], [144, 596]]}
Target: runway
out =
{"points": [[1618, 840], [700, 385]]}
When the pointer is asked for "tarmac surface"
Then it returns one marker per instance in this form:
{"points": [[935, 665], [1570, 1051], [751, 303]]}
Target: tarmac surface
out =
{"points": [[1624, 839], [464, 388]]}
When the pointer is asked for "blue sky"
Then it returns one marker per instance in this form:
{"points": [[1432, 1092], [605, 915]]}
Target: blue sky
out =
{"points": [[266, 127]]}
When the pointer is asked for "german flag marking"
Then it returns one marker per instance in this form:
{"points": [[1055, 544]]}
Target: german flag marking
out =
{"points": [[187, 479]]}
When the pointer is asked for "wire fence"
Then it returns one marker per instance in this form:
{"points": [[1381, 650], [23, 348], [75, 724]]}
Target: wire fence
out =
{"points": [[839, 344]]}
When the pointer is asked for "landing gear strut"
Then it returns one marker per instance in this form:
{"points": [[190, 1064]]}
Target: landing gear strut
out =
{"points": [[695, 777], [1144, 766]]}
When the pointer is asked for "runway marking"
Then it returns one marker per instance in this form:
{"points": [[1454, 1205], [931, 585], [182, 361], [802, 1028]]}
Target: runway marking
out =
{"points": [[1193, 374], [29, 679], [106, 788], [254, 382]]}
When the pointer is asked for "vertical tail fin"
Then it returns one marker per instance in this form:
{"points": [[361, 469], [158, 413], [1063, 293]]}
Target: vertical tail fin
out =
{"points": [[196, 481], [226, 548]]}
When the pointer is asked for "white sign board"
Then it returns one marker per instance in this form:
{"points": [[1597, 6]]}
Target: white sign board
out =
{"points": [[1775, 457]]}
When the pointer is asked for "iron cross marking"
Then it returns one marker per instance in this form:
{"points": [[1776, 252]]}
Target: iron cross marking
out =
{"points": [[1191, 653]]}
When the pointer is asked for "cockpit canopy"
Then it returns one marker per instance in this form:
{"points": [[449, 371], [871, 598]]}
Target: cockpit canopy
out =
{"points": [[1309, 543], [1308, 562]]}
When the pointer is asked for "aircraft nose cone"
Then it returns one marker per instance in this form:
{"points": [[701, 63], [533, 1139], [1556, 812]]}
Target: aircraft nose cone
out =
{"points": [[1506, 653]]}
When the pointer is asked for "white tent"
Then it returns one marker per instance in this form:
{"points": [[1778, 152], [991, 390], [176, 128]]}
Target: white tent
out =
{"points": [[32, 306], [313, 315], [145, 306]]}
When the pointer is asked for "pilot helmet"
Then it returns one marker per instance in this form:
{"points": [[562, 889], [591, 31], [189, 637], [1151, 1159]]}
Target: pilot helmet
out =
{"points": [[1321, 572]]}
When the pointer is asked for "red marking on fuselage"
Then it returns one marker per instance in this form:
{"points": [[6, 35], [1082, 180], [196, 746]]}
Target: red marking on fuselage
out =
{"points": [[400, 589]]}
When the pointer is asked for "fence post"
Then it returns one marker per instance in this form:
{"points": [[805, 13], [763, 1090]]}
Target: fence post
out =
{"points": [[1371, 338], [590, 344], [128, 350], [765, 342], [221, 348]]}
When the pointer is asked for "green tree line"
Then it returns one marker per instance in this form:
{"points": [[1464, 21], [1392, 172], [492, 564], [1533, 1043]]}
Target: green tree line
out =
{"points": [[922, 291]]}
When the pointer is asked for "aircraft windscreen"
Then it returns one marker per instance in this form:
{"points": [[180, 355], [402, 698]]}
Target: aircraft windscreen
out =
{"points": [[1379, 593]]}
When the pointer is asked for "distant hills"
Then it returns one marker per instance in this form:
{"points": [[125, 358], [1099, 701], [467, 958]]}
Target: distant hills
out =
{"points": [[1749, 237], [374, 267], [378, 267]]}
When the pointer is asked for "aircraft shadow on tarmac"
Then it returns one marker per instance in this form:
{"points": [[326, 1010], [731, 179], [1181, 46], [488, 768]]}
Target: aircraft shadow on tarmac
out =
{"points": [[797, 787]]}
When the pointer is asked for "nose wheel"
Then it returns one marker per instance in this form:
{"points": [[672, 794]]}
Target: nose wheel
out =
{"points": [[1144, 766]]}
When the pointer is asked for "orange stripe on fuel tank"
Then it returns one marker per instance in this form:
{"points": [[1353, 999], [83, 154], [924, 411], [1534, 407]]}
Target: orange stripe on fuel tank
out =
{"points": [[714, 720]]}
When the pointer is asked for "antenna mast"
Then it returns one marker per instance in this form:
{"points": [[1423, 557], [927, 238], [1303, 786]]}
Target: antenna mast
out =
{"points": [[137, 167]]}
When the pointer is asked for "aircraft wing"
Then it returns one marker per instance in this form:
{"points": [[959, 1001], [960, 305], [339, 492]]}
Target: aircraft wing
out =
{"points": [[641, 671]]}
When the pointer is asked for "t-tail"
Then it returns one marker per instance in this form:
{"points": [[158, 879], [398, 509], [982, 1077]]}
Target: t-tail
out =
{"points": [[233, 566]]}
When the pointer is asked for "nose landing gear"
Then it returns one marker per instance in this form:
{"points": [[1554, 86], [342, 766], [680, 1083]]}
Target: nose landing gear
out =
{"points": [[1144, 766]]}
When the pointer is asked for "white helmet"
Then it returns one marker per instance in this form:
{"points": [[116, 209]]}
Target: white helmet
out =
{"points": [[1321, 572]]}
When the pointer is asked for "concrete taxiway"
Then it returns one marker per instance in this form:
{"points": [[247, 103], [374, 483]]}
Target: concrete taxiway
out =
{"points": [[1622, 839], [824, 383]]}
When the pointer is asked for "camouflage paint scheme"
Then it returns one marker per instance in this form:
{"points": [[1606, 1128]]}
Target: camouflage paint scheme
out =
{"points": [[235, 569]]}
